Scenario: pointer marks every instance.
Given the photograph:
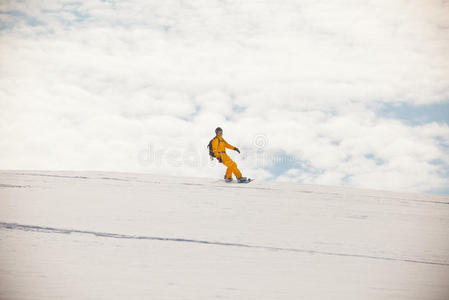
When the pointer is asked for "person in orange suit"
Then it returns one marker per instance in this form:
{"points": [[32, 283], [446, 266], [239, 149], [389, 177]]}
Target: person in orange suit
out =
{"points": [[218, 147]]}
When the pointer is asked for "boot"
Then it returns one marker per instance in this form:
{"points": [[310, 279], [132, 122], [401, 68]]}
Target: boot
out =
{"points": [[242, 179]]}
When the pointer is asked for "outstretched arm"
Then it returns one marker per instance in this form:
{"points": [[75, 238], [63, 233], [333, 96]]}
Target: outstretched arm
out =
{"points": [[229, 146]]}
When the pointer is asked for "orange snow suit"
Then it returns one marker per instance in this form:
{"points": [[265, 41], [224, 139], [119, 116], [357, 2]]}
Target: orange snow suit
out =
{"points": [[218, 147]]}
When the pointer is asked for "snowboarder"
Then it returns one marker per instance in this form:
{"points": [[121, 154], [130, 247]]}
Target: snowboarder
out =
{"points": [[217, 149]]}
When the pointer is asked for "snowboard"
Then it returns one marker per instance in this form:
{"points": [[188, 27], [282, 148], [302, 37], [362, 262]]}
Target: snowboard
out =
{"points": [[248, 180]]}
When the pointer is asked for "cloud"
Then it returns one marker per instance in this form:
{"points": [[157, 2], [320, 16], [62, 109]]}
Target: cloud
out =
{"points": [[95, 84]]}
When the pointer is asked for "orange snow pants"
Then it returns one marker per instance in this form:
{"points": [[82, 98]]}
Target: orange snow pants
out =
{"points": [[232, 166]]}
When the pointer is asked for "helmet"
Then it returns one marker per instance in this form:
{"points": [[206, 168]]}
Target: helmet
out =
{"points": [[218, 129]]}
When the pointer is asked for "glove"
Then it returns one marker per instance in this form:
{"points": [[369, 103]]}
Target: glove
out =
{"points": [[237, 149], [220, 160]]}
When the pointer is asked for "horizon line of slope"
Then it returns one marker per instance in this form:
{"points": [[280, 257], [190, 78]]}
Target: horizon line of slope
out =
{"points": [[214, 180]]}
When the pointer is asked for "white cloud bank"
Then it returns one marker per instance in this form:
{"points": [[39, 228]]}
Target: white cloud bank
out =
{"points": [[100, 85]]}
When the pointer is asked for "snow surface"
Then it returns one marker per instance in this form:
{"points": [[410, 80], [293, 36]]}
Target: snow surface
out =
{"points": [[97, 235]]}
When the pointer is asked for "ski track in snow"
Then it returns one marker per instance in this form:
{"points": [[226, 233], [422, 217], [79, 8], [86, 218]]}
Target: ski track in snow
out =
{"points": [[14, 226]]}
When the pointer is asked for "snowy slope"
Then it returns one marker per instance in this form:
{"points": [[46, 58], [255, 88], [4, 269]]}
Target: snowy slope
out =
{"points": [[94, 235]]}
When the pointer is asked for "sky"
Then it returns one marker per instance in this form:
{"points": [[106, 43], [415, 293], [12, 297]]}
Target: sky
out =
{"points": [[341, 93]]}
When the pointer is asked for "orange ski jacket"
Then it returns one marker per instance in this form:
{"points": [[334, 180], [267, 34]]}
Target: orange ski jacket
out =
{"points": [[219, 145]]}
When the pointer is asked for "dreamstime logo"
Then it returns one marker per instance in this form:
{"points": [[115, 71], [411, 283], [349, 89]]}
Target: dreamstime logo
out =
{"points": [[196, 158], [260, 141], [152, 155]]}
